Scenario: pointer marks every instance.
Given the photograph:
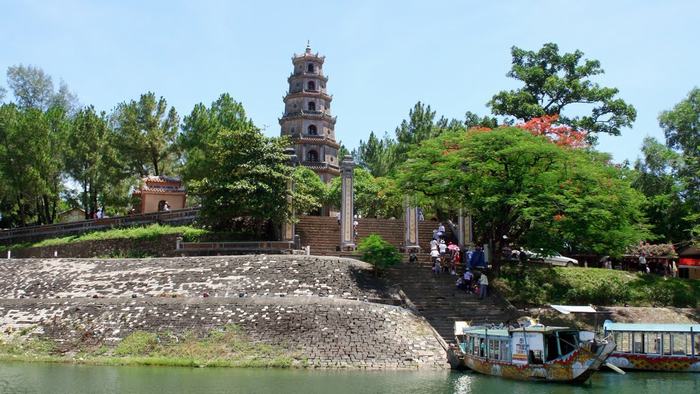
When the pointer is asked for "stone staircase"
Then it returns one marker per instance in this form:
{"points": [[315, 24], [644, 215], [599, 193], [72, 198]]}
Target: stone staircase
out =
{"points": [[323, 233], [437, 298]]}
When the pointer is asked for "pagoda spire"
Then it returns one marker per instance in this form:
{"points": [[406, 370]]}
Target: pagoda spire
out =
{"points": [[307, 118]]}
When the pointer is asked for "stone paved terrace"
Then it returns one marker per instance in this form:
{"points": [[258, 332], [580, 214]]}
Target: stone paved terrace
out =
{"points": [[320, 307], [250, 276]]}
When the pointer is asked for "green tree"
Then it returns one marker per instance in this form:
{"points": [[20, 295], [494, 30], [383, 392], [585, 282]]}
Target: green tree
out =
{"points": [[419, 126], [91, 160], [146, 134], [528, 190], [233, 169], [376, 155], [33, 88], [342, 152], [374, 197], [309, 191], [554, 81], [681, 127], [472, 120], [31, 159], [658, 180]]}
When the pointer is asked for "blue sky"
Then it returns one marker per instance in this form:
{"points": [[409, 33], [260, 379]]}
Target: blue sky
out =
{"points": [[381, 56]]}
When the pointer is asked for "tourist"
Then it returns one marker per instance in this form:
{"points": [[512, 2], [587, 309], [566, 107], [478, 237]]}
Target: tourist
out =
{"points": [[442, 246], [434, 255], [420, 215], [477, 258], [99, 214], [166, 207], [433, 244], [436, 266], [483, 286], [455, 261], [468, 277], [441, 228], [674, 269], [642, 262], [338, 217], [412, 257]]}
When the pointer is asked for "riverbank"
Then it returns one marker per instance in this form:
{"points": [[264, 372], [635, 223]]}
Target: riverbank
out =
{"points": [[285, 311], [532, 285], [228, 346]]}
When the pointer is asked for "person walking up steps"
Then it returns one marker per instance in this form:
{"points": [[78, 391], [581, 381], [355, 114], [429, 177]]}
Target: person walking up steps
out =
{"points": [[483, 286]]}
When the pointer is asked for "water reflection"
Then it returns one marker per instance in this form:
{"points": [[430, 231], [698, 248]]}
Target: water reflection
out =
{"points": [[60, 379]]}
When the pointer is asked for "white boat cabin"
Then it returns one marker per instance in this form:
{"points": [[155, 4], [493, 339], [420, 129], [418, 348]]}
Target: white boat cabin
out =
{"points": [[532, 345], [682, 340]]}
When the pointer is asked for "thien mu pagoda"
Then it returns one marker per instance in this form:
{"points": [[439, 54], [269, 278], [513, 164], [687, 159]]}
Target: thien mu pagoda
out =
{"points": [[307, 116]]}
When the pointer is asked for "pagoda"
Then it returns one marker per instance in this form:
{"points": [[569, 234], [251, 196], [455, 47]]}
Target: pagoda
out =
{"points": [[307, 119]]}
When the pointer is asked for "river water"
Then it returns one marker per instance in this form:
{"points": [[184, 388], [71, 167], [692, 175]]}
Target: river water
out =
{"points": [[77, 379]]}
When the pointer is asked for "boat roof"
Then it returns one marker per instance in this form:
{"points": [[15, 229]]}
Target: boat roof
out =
{"points": [[567, 309], [653, 327], [462, 328]]}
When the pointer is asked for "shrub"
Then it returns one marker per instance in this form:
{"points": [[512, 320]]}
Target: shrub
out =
{"points": [[378, 252], [139, 343]]}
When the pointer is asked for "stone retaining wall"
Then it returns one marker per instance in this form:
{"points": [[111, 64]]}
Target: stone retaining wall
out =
{"points": [[319, 306]]}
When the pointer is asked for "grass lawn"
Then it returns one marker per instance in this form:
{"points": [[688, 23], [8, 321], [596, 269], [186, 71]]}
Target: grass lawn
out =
{"points": [[536, 285], [152, 231]]}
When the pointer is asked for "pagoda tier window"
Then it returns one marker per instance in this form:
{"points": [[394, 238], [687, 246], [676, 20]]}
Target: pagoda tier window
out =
{"points": [[312, 106], [311, 85], [310, 67], [313, 130], [312, 156]]}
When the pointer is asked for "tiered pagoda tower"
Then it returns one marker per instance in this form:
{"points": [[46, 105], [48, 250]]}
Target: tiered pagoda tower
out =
{"points": [[307, 116]]}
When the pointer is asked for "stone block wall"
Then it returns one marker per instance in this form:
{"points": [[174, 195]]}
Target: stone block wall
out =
{"points": [[326, 308]]}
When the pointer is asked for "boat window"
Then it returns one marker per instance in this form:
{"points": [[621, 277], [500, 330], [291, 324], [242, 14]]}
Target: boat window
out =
{"points": [[666, 339], [697, 344], [637, 343], [505, 350], [494, 349], [623, 342], [482, 347], [475, 347], [534, 357], [679, 344], [552, 349], [689, 344], [652, 342], [567, 342]]}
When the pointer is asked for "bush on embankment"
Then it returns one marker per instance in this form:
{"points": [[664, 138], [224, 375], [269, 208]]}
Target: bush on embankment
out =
{"points": [[535, 286], [378, 252]]}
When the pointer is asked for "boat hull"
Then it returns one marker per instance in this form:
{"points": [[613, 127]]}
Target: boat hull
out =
{"points": [[647, 362], [576, 367]]}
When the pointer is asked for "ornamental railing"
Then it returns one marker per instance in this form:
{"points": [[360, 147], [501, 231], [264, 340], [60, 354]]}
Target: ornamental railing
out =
{"points": [[179, 216], [243, 246]]}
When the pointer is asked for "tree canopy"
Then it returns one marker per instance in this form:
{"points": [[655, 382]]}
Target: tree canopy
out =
{"points": [[374, 197], [232, 167], [553, 82], [681, 127], [146, 134], [528, 190]]}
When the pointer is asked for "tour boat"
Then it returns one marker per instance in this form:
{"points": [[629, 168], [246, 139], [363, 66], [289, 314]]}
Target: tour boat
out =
{"points": [[534, 352], [655, 347]]}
